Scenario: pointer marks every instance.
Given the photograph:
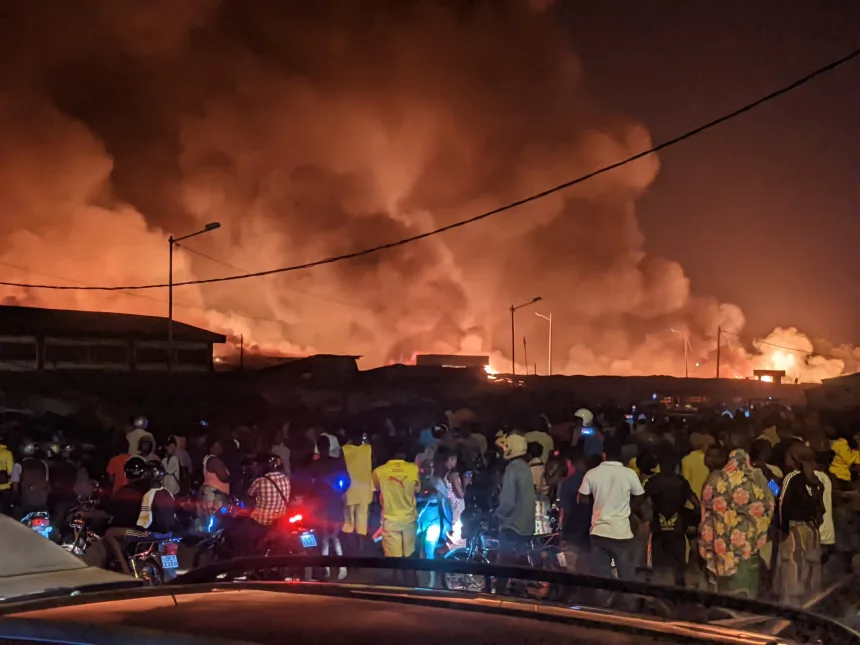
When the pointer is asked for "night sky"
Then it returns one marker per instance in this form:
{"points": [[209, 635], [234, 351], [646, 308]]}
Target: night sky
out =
{"points": [[315, 128], [765, 211]]}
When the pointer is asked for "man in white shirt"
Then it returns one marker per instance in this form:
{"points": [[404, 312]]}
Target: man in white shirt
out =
{"points": [[138, 429], [611, 487], [172, 467]]}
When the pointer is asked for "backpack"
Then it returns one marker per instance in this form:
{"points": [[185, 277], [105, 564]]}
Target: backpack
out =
{"points": [[35, 485]]}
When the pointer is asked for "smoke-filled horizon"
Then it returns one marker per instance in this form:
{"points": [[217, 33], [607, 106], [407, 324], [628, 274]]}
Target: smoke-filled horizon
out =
{"points": [[326, 127]]}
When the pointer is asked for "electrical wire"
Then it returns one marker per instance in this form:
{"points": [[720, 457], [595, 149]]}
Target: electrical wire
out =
{"points": [[293, 289], [764, 342], [134, 294], [496, 211]]}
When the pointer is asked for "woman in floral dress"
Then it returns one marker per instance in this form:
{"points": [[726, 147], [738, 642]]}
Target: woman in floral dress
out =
{"points": [[736, 512]]}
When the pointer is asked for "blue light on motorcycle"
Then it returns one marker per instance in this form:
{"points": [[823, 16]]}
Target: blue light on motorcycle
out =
{"points": [[211, 524], [341, 483], [223, 510]]}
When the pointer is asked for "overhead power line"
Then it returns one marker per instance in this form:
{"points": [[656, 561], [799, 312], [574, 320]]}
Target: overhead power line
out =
{"points": [[764, 342], [134, 294], [496, 211], [185, 247]]}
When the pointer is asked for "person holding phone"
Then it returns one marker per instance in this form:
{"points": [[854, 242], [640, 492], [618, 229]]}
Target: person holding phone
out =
{"points": [[587, 434], [457, 495]]}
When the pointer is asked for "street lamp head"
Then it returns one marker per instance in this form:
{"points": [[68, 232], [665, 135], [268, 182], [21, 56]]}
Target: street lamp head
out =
{"points": [[538, 299], [211, 226]]}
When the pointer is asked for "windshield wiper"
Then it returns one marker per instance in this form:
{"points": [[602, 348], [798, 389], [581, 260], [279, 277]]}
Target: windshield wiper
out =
{"points": [[59, 592]]}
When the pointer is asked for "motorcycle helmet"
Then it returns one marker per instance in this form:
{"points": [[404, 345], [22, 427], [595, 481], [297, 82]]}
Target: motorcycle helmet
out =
{"points": [[273, 464], [155, 471], [586, 415], [512, 446], [140, 422], [135, 469]]}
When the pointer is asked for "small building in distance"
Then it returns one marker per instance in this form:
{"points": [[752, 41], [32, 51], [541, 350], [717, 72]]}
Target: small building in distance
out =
{"points": [[35, 339], [769, 376], [449, 360]]}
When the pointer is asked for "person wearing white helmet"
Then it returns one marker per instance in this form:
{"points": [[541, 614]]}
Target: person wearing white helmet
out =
{"points": [[540, 436], [139, 426], [590, 436], [516, 510]]}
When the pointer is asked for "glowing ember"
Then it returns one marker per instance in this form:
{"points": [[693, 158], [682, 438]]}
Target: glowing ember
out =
{"points": [[767, 378], [491, 373]]}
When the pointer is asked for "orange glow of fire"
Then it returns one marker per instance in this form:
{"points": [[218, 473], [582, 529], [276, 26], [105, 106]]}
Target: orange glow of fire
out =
{"points": [[782, 361], [767, 378], [491, 373]]}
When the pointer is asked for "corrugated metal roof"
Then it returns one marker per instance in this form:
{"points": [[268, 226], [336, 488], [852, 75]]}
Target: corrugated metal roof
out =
{"points": [[34, 321]]}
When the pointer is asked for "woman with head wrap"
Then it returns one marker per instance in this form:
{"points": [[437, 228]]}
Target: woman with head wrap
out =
{"points": [[736, 514]]}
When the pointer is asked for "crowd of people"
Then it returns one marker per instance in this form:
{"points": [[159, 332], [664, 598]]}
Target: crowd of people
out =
{"points": [[737, 504]]}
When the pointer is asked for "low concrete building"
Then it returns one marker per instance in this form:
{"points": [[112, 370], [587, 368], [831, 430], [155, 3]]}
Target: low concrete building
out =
{"points": [[449, 360], [34, 339]]}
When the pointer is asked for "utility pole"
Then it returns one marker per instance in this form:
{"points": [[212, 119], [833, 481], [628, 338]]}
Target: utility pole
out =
{"points": [[686, 367], [513, 344], [719, 343], [526, 355], [549, 351], [173, 241], [514, 336]]}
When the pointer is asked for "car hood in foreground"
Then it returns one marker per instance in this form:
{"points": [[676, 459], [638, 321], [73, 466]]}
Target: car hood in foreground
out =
{"points": [[31, 564], [263, 613]]}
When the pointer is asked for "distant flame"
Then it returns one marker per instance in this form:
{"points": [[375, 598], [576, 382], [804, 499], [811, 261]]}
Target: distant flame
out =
{"points": [[491, 373], [782, 361], [766, 378]]}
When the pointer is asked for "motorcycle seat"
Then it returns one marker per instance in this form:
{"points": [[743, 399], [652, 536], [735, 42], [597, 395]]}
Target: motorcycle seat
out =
{"points": [[138, 535]]}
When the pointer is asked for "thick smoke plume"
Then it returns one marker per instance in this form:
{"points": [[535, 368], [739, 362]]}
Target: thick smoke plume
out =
{"points": [[314, 128]]}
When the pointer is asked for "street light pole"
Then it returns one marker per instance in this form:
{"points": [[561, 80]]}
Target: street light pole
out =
{"points": [[513, 333], [211, 226], [686, 336], [686, 345], [170, 310], [719, 343], [549, 351], [513, 344], [526, 355]]}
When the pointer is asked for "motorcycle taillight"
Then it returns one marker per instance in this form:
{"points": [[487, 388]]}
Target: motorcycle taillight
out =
{"points": [[39, 522], [171, 548]]}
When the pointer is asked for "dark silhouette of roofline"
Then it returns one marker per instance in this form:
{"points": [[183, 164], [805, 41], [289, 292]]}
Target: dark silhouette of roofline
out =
{"points": [[66, 323]]}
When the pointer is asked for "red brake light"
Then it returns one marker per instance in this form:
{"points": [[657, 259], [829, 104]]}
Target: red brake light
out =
{"points": [[171, 548], [39, 522], [296, 518]]}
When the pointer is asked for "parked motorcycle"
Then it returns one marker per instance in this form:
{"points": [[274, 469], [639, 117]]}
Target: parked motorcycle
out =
{"points": [[543, 552], [39, 521], [289, 536], [152, 557], [87, 523]]}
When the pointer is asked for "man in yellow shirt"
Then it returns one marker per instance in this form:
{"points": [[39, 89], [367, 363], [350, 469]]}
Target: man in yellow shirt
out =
{"points": [[693, 466], [846, 457], [397, 482], [357, 456], [7, 464]]}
